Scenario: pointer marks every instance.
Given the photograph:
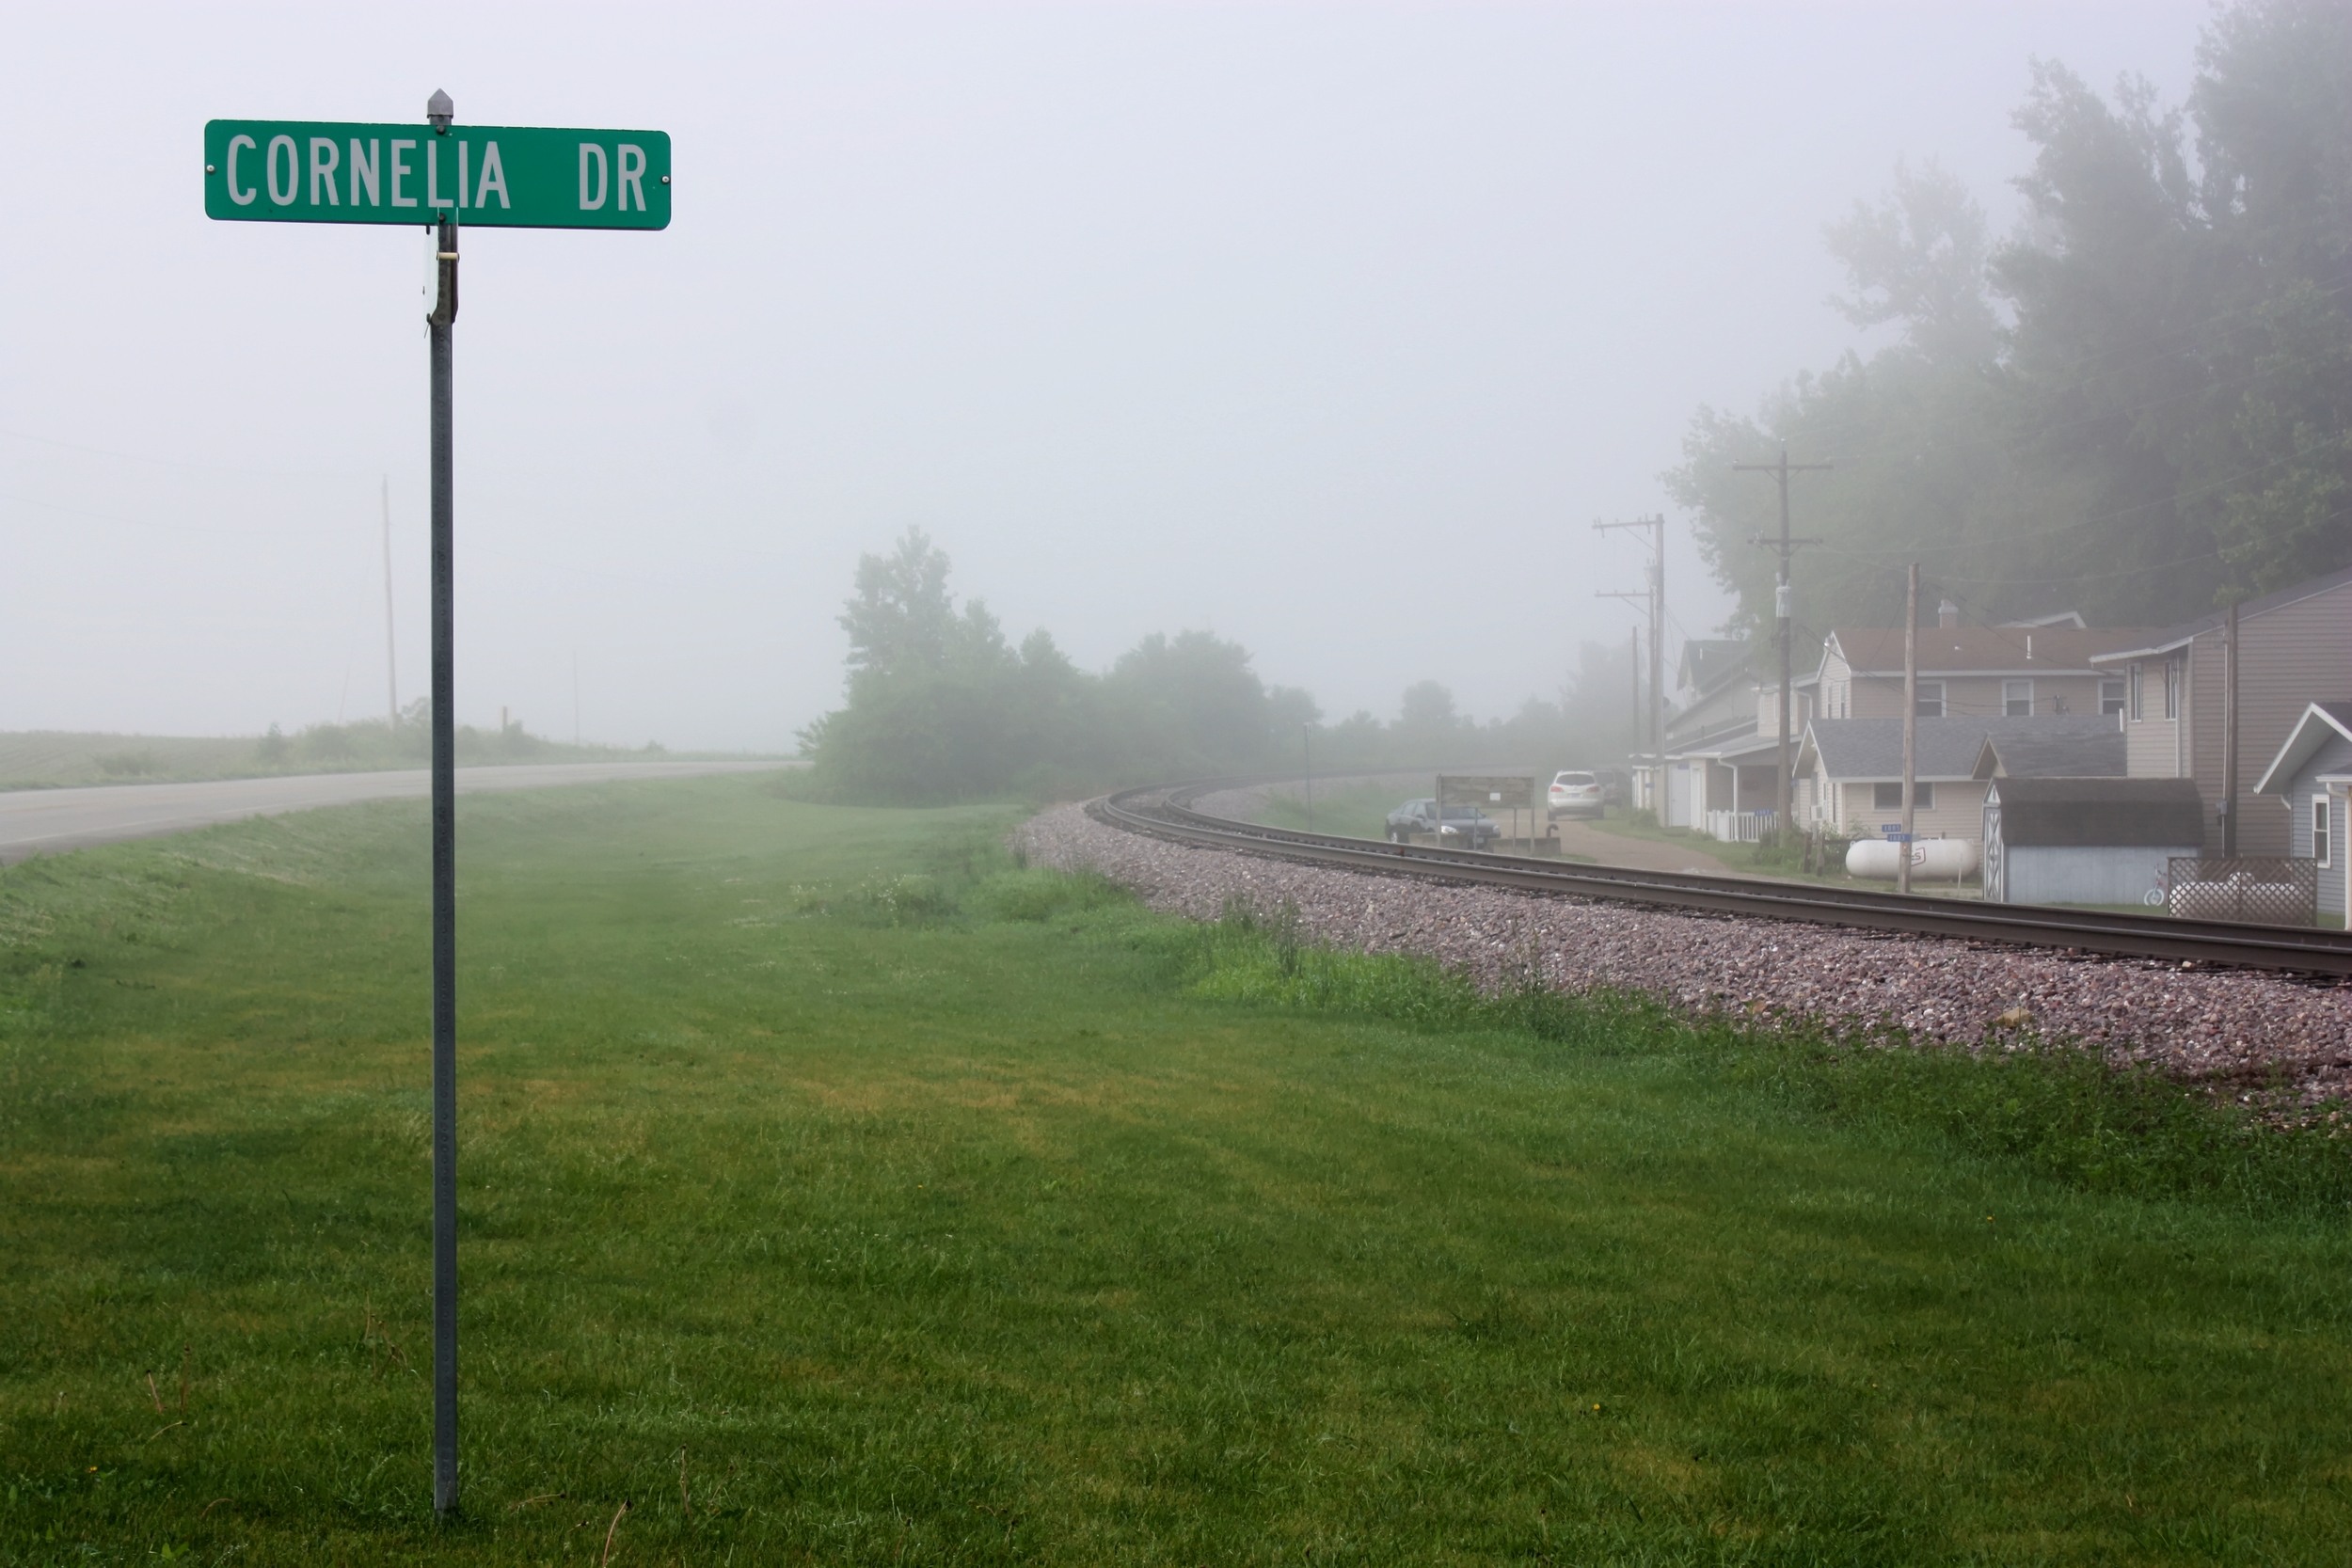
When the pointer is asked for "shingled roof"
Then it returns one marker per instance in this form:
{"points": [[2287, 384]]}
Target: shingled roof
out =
{"points": [[2099, 812], [1869, 751], [2064, 755]]}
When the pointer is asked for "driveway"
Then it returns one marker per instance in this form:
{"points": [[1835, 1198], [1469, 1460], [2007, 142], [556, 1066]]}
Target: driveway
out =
{"points": [[1644, 854], [49, 821]]}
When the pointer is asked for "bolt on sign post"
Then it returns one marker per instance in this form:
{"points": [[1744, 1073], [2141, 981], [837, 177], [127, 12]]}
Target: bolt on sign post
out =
{"points": [[442, 176]]}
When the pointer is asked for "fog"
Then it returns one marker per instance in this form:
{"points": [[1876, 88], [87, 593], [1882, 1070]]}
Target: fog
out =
{"points": [[1330, 329]]}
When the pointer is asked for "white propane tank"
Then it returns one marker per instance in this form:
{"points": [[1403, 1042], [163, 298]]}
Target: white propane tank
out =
{"points": [[1932, 860]]}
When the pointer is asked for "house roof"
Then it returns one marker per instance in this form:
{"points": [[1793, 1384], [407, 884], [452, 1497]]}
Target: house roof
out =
{"points": [[2053, 756], [1871, 751], [1734, 732], [2099, 812], [2321, 722], [1979, 650], [2168, 639], [1709, 664], [1733, 745]]}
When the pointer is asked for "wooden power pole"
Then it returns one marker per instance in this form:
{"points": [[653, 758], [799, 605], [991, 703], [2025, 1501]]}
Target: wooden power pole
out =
{"points": [[1911, 724], [391, 669], [1782, 629], [2228, 735], [1657, 596]]}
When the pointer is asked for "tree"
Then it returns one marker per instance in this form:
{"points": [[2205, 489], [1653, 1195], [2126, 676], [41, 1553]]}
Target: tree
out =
{"points": [[1428, 708], [900, 621], [1917, 256], [2168, 422]]}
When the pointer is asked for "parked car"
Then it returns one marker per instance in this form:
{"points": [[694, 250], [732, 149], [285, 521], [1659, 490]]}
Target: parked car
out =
{"points": [[1615, 789], [1465, 825], [1576, 793]]}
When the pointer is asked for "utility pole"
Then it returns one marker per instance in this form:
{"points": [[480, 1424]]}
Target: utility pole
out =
{"points": [[1306, 762], [1633, 662], [391, 669], [1657, 596], [1910, 723], [1787, 547], [2228, 735]]}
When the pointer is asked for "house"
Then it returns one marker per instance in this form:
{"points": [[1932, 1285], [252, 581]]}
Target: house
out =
{"points": [[2312, 774], [1718, 758], [2069, 754], [2086, 841], [2294, 645], [1850, 772], [2038, 670]]}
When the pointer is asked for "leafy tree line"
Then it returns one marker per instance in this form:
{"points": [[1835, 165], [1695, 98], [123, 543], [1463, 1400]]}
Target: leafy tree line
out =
{"points": [[941, 705], [2140, 405]]}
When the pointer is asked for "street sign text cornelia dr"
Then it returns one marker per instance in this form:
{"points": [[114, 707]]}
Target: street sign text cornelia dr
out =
{"points": [[445, 177], [489, 176]]}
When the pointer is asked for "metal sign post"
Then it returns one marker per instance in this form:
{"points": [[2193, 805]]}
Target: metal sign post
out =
{"points": [[303, 171], [442, 323]]}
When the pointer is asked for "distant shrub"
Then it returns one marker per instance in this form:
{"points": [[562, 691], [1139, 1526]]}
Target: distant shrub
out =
{"points": [[128, 765]]}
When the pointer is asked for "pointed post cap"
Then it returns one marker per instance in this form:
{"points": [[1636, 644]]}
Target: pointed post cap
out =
{"points": [[439, 110]]}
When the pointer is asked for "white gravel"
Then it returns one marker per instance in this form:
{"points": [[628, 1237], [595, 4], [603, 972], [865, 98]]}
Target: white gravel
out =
{"points": [[2236, 1030]]}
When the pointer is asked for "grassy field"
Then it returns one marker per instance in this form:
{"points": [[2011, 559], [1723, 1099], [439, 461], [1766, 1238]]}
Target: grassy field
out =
{"points": [[1356, 808], [51, 759], [835, 1192]]}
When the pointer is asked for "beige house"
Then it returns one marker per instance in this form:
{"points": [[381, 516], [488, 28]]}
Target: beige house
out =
{"points": [[2295, 649], [2020, 671]]}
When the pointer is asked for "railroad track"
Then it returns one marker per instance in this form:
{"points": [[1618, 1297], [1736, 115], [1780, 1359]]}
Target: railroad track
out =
{"points": [[1166, 811]]}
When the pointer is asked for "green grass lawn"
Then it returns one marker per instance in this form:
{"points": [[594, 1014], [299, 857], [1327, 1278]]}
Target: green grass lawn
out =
{"points": [[834, 1193], [1355, 808]]}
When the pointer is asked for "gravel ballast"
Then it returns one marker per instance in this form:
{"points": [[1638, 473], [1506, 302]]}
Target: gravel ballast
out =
{"points": [[2240, 1028]]}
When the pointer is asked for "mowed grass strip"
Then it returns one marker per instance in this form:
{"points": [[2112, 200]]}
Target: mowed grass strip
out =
{"points": [[833, 1193]]}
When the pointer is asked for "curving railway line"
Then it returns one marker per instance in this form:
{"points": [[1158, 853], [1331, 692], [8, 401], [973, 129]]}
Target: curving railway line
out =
{"points": [[1167, 811]]}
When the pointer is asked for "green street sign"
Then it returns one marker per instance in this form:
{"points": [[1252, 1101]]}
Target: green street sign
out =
{"points": [[485, 176]]}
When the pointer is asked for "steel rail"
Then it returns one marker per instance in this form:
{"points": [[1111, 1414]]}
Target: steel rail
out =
{"points": [[1166, 811]]}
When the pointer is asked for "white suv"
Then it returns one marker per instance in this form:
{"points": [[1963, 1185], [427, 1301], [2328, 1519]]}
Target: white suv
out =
{"points": [[1574, 794]]}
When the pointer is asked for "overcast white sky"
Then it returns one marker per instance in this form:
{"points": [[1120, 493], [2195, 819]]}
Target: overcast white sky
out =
{"points": [[1329, 327]]}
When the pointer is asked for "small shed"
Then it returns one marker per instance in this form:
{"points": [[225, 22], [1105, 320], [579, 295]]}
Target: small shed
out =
{"points": [[2086, 841], [2313, 771]]}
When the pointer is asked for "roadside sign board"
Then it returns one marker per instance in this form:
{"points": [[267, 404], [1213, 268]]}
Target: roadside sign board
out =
{"points": [[485, 176], [1510, 791]]}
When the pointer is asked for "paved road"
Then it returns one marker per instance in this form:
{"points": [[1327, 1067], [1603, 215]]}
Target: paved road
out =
{"points": [[48, 821]]}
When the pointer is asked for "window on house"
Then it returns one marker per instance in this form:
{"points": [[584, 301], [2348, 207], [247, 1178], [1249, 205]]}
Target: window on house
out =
{"points": [[2111, 698], [2139, 712], [2319, 830], [2017, 699], [1889, 796], [2172, 688], [1930, 699]]}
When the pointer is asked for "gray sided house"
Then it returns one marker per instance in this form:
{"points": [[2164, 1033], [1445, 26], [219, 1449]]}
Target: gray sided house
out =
{"points": [[2086, 841], [1850, 772], [2312, 774], [2293, 643]]}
